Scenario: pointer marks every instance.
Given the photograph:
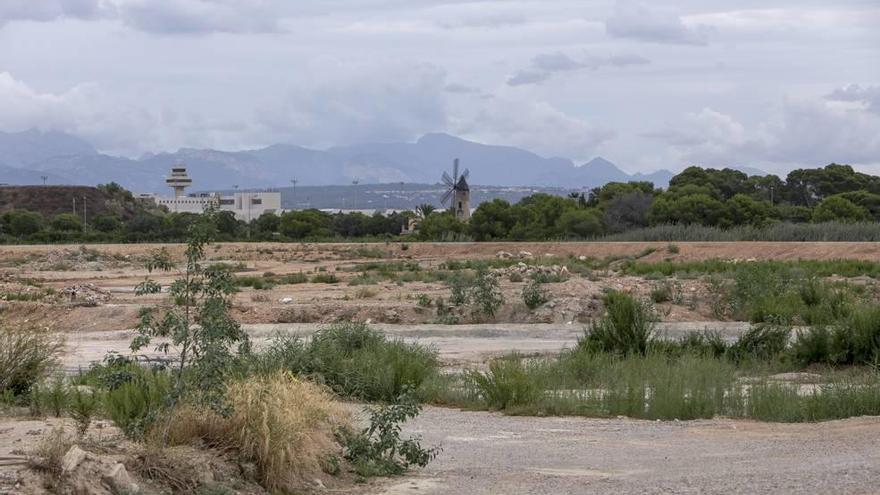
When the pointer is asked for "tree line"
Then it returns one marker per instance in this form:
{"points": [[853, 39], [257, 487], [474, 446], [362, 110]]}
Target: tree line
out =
{"points": [[697, 196]]}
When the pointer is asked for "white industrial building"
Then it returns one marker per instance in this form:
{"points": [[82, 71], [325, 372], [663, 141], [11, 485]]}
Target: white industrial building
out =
{"points": [[245, 205]]}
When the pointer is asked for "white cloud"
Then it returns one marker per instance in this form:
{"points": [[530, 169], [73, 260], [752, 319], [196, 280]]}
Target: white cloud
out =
{"points": [[797, 133], [640, 22], [867, 96], [535, 126]]}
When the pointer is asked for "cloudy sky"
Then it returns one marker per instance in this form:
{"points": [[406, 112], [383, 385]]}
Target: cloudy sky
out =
{"points": [[773, 84]]}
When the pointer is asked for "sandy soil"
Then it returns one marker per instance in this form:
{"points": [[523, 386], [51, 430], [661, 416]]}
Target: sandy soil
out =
{"points": [[486, 453]]}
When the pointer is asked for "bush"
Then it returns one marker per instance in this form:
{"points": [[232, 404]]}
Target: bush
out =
{"points": [[27, 355], [353, 360], [83, 406], [378, 449], [811, 345], [507, 383], [534, 295], [486, 294], [627, 327], [325, 278], [760, 342], [136, 405], [856, 340], [286, 426]]}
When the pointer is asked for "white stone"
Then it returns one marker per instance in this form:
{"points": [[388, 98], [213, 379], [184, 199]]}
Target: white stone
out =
{"points": [[119, 480], [72, 459]]}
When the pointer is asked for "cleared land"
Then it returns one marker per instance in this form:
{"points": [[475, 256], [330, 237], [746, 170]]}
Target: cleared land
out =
{"points": [[87, 293]]}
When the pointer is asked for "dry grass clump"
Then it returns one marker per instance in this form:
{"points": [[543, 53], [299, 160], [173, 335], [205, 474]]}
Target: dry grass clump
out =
{"points": [[284, 425], [27, 355], [49, 451]]}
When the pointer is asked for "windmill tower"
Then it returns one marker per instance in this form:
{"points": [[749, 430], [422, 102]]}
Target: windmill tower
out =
{"points": [[459, 192]]}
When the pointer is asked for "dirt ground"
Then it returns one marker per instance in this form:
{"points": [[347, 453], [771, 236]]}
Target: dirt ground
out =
{"points": [[91, 288], [87, 294], [486, 453]]}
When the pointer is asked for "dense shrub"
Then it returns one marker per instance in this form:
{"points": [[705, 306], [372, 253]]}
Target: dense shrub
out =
{"points": [[760, 342], [354, 360], [136, 404], [626, 328], [507, 383]]}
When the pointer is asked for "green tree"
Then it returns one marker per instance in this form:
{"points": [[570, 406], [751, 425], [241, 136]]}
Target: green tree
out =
{"points": [[106, 223], [198, 325], [491, 220], [66, 222], [580, 224], [23, 223], [441, 226], [836, 208], [743, 210], [689, 209]]}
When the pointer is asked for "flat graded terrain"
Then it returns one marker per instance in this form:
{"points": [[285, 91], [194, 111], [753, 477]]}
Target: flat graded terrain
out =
{"points": [[486, 453]]}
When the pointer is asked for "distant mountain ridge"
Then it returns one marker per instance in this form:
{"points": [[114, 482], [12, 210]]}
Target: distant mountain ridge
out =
{"points": [[65, 159]]}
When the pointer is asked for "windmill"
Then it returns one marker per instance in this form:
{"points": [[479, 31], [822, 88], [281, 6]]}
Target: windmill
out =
{"points": [[458, 191]]}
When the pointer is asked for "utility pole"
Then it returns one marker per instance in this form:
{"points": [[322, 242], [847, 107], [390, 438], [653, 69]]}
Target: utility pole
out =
{"points": [[45, 178], [293, 199], [85, 218], [74, 205], [355, 184]]}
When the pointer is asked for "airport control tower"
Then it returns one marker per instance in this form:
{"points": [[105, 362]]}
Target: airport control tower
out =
{"points": [[178, 180]]}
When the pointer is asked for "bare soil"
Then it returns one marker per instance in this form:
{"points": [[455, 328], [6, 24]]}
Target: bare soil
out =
{"points": [[86, 293]]}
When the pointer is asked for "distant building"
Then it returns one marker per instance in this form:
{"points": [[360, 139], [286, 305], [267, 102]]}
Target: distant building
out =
{"points": [[246, 205]]}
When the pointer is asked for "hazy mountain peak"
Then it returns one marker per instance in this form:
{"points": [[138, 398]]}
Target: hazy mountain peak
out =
{"points": [[34, 145]]}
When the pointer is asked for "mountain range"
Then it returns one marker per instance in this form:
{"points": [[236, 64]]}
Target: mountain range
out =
{"points": [[26, 157]]}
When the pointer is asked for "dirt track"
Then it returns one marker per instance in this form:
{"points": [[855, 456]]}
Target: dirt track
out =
{"points": [[486, 453]]}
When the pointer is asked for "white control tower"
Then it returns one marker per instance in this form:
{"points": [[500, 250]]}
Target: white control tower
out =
{"points": [[178, 180]]}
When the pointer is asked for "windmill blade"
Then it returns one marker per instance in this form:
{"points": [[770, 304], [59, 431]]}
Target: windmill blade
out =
{"points": [[455, 170], [446, 197], [465, 174], [448, 180]]}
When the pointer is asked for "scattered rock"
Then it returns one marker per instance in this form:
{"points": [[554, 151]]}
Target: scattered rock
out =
{"points": [[86, 295], [72, 459], [119, 480], [286, 300], [503, 255]]}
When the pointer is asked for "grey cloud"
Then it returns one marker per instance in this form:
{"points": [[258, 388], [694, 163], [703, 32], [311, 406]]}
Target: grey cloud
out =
{"points": [[463, 89], [48, 10], [869, 96], [638, 21], [544, 65], [199, 16], [365, 104]]}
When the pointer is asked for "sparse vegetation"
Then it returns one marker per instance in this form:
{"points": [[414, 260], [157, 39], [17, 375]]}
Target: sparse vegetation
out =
{"points": [[379, 450], [534, 295], [27, 355]]}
